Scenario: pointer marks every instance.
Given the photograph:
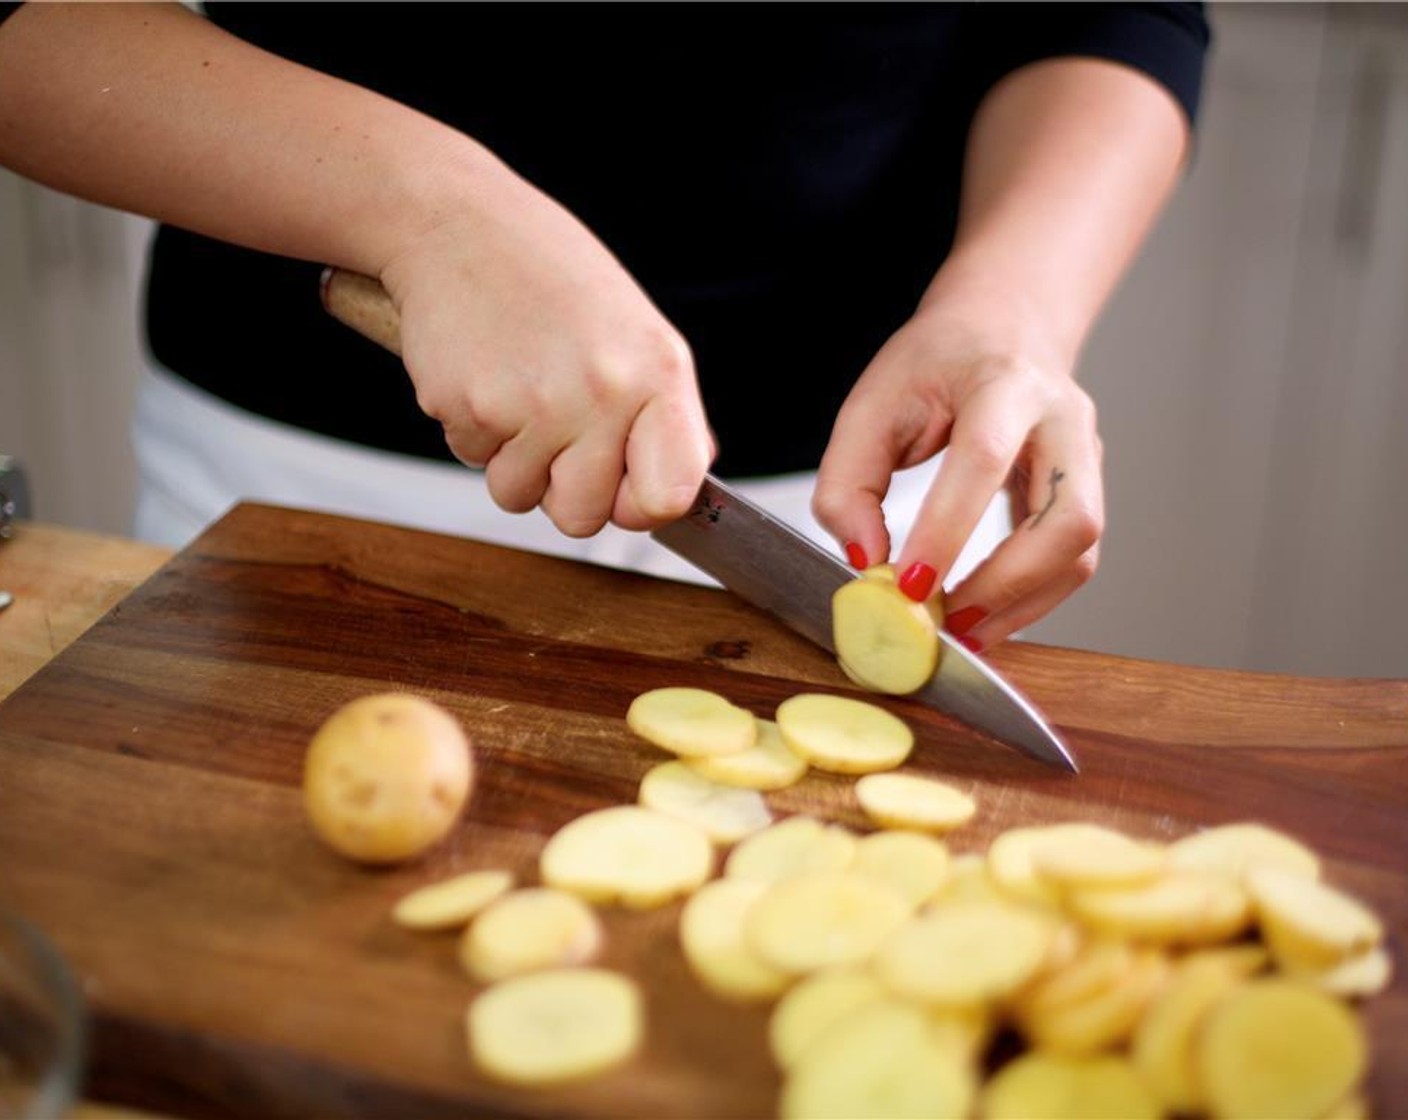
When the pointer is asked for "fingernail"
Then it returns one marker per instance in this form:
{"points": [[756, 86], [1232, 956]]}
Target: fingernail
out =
{"points": [[918, 581], [961, 621], [972, 645], [856, 555]]}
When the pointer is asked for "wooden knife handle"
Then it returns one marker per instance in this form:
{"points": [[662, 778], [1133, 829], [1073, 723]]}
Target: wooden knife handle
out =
{"points": [[362, 303]]}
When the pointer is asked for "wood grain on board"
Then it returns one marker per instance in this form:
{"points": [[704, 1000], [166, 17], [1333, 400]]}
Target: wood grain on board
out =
{"points": [[151, 822]]}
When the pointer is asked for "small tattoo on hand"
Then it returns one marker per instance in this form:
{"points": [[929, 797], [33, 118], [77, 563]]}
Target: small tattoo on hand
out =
{"points": [[1057, 474]]}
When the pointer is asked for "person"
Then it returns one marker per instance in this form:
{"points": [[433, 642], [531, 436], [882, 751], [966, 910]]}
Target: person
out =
{"points": [[846, 255]]}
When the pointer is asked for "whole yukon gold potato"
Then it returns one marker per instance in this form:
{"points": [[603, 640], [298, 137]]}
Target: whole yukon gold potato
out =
{"points": [[386, 777]]}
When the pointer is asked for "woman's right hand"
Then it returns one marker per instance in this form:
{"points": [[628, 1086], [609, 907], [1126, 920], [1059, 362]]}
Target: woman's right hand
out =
{"points": [[524, 337], [548, 366]]}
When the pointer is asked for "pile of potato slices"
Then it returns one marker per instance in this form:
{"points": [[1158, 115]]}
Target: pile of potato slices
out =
{"points": [[1068, 970]]}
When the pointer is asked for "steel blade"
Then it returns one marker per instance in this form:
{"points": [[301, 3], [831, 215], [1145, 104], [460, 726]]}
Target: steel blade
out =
{"points": [[771, 565]]}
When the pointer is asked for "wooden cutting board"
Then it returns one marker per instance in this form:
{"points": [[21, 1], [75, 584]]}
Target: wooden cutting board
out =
{"points": [[150, 818]]}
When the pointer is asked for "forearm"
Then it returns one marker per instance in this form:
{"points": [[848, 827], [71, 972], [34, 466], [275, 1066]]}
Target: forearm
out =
{"points": [[1069, 163], [151, 109]]}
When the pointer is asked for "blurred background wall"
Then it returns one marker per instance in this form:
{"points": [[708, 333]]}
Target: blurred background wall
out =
{"points": [[1251, 373]]}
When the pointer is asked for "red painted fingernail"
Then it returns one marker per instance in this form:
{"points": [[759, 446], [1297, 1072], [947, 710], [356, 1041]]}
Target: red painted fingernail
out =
{"points": [[961, 621], [972, 645], [918, 581], [856, 555]]}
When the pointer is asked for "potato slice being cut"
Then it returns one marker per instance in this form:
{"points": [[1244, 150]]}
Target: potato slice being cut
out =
{"points": [[692, 722], [711, 935], [529, 930], [910, 801], [843, 735], [627, 853], [1179, 908], [726, 814], [1308, 924], [822, 920], [768, 764], [884, 640], [965, 954], [1040, 1086], [451, 902], [556, 1026], [1276, 1047], [883, 1060], [912, 864], [794, 846], [815, 1003], [1234, 849]]}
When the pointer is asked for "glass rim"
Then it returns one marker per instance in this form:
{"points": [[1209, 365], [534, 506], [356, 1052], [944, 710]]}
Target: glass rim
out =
{"points": [[59, 1084]]}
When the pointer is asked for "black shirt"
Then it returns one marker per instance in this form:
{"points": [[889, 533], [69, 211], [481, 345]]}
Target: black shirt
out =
{"points": [[781, 179]]}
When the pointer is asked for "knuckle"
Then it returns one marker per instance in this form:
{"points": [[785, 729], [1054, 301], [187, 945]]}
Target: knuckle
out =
{"points": [[1085, 526], [828, 504], [628, 373], [989, 452], [1086, 564]]}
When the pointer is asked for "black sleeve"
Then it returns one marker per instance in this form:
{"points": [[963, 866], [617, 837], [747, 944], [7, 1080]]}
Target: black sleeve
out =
{"points": [[7, 10], [1168, 42]]}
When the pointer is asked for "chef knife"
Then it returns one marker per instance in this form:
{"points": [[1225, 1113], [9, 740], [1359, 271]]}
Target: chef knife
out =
{"points": [[769, 564]]}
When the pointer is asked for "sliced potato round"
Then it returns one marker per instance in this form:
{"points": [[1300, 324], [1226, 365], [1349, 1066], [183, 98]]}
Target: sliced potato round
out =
{"points": [[1179, 908], [843, 735], [795, 846], [1040, 1086], [692, 722], [964, 954], [726, 814], [1234, 849], [1097, 966], [712, 937], [1089, 855], [1353, 1107], [910, 801], [883, 1060], [1162, 1045], [815, 1003], [451, 902], [627, 853], [969, 880], [1357, 977], [822, 920], [1010, 866], [885, 640], [550, 1027], [529, 930], [768, 764], [1308, 924], [912, 864], [1276, 1047], [1101, 1021]]}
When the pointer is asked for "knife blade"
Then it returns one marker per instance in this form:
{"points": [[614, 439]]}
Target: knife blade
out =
{"points": [[770, 564], [767, 563]]}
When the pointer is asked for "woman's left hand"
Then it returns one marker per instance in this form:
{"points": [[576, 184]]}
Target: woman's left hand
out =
{"points": [[971, 374]]}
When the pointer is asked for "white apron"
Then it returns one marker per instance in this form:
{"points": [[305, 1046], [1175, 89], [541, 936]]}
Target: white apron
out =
{"points": [[197, 456]]}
